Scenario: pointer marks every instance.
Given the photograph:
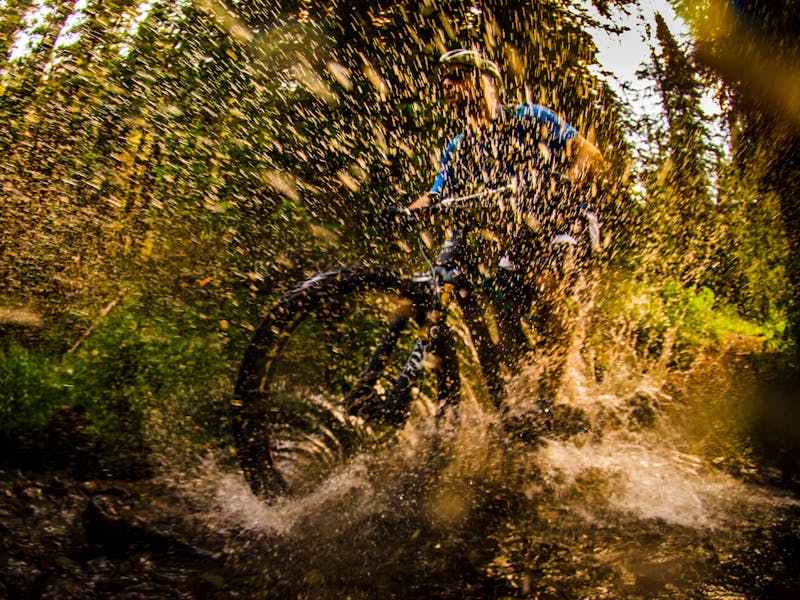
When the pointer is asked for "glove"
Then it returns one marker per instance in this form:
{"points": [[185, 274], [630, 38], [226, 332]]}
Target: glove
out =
{"points": [[394, 217]]}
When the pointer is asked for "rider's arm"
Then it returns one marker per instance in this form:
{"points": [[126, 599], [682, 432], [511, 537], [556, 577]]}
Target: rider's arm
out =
{"points": [[583, 157], [435, 193], [425, 200], [585, 160]]}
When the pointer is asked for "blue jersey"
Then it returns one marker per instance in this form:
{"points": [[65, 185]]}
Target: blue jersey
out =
{"points": [[521, 143]]}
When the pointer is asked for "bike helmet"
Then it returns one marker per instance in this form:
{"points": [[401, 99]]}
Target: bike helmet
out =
{"points": [[470, 58]]}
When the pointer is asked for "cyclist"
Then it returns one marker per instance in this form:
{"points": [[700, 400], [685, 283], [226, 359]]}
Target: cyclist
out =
{"points": [[530, 149]]}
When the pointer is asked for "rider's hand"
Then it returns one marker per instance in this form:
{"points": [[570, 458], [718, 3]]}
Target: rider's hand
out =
{"points": [[394, 217]]}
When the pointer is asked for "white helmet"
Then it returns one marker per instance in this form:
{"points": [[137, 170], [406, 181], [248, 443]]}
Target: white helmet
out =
{"points": [[470, 58]]}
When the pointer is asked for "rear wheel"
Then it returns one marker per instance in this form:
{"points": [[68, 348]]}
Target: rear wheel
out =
{"points": [[327, 356]]}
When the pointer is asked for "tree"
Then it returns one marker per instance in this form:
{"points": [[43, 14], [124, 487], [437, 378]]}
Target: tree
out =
{"points": [[752, 46], [685, 219]]}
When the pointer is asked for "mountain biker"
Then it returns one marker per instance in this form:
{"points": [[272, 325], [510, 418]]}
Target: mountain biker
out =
{"points": [[534, 151]]}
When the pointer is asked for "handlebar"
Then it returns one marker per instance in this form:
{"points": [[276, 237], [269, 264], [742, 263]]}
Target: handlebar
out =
{"points": [[448, 204], [541, 200]]}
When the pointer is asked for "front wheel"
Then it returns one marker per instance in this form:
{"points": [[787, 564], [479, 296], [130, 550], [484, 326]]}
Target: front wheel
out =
{"points": [[327, 355]]}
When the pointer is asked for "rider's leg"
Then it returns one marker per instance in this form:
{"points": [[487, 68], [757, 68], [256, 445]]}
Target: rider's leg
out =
{"points": [[549, 286], [542, 277], [515, 291], [554, 284], [512, 301]]}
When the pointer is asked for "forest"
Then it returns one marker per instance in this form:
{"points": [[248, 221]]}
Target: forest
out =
{"points": [[169, 168]]}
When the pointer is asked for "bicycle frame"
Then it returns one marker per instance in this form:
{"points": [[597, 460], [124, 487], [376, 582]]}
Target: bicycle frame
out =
{"points": [[456, 283], [447, 283]]}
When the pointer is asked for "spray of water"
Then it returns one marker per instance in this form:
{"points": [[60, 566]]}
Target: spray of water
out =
{"points": [[620, 506], [630, 495]]}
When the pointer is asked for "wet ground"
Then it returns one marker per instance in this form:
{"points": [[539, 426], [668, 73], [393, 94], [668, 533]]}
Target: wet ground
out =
{"points": [[445, 537], [64, 538]]}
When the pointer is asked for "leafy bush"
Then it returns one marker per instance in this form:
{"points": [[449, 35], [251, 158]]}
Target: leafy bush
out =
{"points": [[133, 383], [32, 386], [667, 321]]}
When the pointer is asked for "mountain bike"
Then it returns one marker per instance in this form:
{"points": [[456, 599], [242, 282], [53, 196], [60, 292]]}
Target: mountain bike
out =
{"points": [[342, 359]]}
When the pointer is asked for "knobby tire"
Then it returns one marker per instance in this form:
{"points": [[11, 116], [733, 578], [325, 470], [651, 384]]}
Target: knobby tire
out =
{"points": [[334, 312]]}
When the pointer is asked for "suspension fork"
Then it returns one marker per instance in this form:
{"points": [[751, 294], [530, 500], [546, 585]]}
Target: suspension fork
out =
{"points": [[363, 392], [431, 337]]}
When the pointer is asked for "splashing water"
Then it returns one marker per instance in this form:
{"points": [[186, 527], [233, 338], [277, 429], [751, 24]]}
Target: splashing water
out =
{"points": [[461, 511], [644, 481]]}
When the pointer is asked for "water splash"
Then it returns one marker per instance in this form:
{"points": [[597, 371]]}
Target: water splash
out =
{"points": [[623, 507], [641, 479]]}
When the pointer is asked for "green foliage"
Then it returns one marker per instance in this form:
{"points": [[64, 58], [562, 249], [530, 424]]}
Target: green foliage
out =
{"points": [[134, 383], [668, 322], [148, 366], [32, 386]]}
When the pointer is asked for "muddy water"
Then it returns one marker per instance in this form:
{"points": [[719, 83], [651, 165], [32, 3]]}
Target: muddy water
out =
{"points": [[647, 488], [636, 502]]}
